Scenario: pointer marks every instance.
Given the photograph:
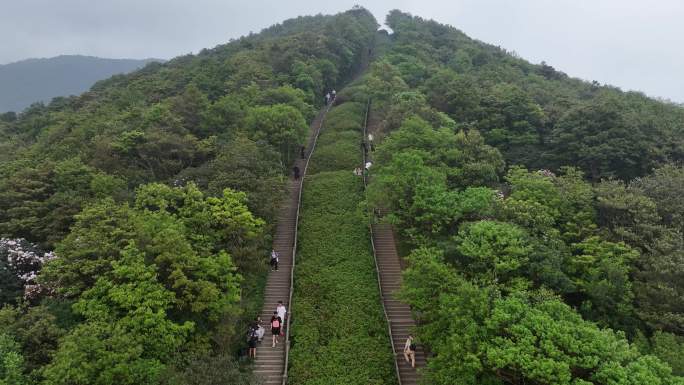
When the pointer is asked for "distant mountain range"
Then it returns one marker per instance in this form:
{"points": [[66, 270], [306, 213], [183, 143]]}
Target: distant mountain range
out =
{"points": [[34, 80]]}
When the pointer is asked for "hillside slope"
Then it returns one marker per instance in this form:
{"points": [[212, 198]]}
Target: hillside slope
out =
{"points": [[536, 115], [540, 215], [157, 191], [30, 81]]}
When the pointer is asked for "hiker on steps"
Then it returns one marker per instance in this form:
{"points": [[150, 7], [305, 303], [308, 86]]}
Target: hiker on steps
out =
{"points": [[276, 323], [281, 310], [260, 329], [275, 257], [327, 98], [252, 338], [410, 351], [295, 171]]}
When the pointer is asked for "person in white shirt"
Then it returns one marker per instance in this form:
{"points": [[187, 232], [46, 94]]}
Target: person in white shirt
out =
{"points": [[260, 329], [281, 310], [275, 258]]}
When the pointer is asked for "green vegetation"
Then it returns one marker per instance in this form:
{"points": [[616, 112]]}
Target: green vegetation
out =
{"points": [[565, 275], [157, 191], [542, 216], [337, 313], [535, 115]]}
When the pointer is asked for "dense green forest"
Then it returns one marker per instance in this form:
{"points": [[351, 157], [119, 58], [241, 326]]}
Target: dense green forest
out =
{"points": [[541, 215], [136, 218]]}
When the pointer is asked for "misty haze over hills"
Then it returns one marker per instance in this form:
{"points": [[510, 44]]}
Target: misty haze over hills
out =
{"points": [[39, 80]]}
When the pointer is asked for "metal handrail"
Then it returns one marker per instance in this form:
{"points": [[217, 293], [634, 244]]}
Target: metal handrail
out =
{"points": [[375, 257], [294, 245]]}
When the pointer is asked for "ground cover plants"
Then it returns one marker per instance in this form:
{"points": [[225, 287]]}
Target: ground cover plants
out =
{"points": [[339, 332]]}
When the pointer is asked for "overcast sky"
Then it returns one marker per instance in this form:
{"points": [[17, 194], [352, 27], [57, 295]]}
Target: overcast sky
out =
{"points": [[632, 44]]}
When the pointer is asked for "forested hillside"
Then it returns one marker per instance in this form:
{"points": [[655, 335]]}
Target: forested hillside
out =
{"points": [[136, 218], [541, 216], [39, 80]]}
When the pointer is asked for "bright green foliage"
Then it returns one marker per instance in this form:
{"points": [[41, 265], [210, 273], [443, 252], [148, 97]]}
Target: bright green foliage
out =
{"points": [[600, 269], [480, 337], [337, 313], [148, 279], [417, 168], [436, 211], [577, 213], [179, 231], [11, 362], [280, 125], [550, 205], [127, 335], [547, 252], [534, 201], [397, 184], [385, 83], [492, 251], [218, 223], [469, 160]]}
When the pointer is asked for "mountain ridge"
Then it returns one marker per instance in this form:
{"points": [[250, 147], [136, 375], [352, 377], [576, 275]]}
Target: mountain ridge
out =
{"points": [[35, 80]]}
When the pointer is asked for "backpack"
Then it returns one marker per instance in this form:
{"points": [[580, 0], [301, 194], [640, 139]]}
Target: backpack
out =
{"points": [[252, 334], [275, 323]]}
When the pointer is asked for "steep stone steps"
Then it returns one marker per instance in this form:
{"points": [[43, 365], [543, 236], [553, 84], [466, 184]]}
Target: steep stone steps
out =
{"points": [[270, 362]]}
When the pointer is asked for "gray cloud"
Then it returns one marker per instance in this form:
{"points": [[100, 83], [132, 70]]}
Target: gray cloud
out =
{"points": [[628, 43]]}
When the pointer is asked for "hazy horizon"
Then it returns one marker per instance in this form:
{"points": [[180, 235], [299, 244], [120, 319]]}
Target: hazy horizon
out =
{"points": [[628, 44], [85, 56]]}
